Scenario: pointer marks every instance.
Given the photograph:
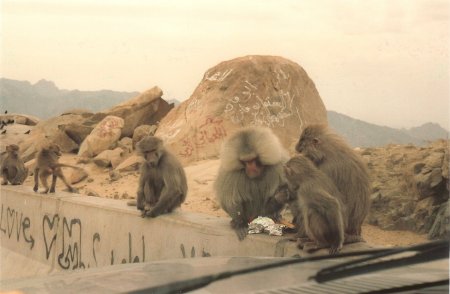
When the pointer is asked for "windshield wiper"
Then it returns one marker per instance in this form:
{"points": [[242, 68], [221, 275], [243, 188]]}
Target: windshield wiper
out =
{"points": [[200, 282], [425, 252], [428, 251]]}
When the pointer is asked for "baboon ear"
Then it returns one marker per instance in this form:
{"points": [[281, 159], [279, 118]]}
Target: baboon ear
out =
{"points": [[316, 141]]}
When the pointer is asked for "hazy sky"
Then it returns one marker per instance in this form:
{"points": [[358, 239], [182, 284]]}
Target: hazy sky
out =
{"points": [[382, 61]]}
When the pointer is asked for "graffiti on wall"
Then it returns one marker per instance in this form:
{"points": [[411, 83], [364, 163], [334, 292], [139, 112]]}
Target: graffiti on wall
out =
{"points": [[14, 224], [63, 241]]}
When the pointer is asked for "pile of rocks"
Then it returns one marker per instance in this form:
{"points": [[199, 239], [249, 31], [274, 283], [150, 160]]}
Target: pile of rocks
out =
{"points": [[410, 188], [107, 138]]}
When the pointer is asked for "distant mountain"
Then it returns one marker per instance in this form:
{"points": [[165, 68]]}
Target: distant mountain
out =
{"points": [[362, 134], [44, 99], [428, 131]]}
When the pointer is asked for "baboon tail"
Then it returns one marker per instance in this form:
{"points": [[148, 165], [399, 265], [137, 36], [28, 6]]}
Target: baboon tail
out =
{"points": [[68, 165]]}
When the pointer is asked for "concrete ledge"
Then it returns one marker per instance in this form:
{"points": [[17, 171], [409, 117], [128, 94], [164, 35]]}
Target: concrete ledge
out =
{"points": [[42, 234]]}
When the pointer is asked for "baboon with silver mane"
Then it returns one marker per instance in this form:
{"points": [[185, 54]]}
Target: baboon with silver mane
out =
{"points": [[250, 174], [331, 154]]}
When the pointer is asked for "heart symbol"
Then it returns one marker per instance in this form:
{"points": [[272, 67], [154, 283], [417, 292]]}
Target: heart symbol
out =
{"points": [[47, 230]]}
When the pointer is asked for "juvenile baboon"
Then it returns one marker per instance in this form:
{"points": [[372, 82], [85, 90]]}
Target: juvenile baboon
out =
{"points": [[315, 203], [47, 164], [250, 173], [346, 169], [12, 166], [162, 183]]}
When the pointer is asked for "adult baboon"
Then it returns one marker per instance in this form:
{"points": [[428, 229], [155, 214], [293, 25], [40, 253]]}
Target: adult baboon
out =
{"points": [[47, 164], [337, 160], [12, 166], [162, 183], [315, 204], [250, 174]]}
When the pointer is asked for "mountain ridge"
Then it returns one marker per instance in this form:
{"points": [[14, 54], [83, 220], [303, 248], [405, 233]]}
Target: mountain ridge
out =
{"points": [[359, 133], [43, 99]]}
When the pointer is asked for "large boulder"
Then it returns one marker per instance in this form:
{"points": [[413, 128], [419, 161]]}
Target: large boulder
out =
{"points": [[105, 135], [146, 109], [252, 90], [77, 132]]}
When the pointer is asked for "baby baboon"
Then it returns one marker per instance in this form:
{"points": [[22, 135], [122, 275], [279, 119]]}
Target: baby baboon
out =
{"points": [[47, 164], [12, 166], [250, 174], [346, 169], [315, 203], [162, 183]]}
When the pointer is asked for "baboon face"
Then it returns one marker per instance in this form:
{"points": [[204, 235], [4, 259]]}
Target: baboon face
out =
{"points": [[152, 157], [150, 148], [53, 148], [307, 143], [310, 144], [12, 149], [253, 167], [296, 169]]}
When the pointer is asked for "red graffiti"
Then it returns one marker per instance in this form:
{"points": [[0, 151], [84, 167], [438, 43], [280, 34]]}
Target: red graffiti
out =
{"points": [[107, 127], [207, 133]]}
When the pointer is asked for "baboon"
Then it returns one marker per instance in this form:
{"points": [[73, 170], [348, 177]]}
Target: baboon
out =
{"points": [[162, 183], [346, 169], [315, 204], [250, 173], [12, 166], [47, 164]]}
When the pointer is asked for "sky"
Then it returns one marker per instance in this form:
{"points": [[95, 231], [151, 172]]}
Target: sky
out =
{"points": [[381, 61]]}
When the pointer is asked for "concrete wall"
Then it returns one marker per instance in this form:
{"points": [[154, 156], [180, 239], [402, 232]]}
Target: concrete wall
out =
{"points": [[41, 234]]}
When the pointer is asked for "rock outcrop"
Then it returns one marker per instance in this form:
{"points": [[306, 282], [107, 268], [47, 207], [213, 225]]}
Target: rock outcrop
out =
{"points": [[410, 188], [51, 131], [252, 90], [22, 119], [146, 109]]}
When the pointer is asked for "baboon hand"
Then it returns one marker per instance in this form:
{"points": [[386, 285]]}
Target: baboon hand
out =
{"points": [[240, 227], [241, 232]]}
